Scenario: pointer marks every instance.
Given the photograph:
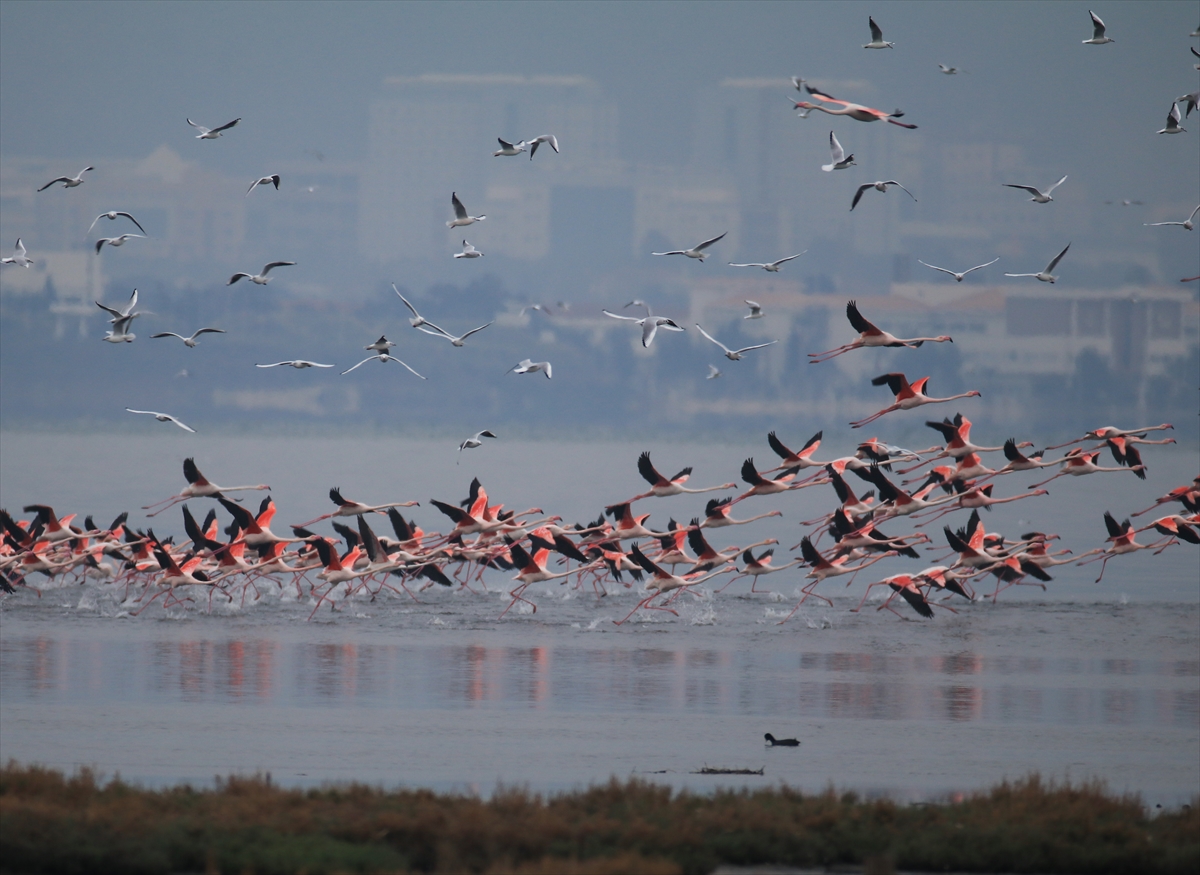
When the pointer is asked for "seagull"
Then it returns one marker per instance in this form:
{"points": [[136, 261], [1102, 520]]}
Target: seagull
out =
{"points": [[525, 366], [1188, 223], [263, 180], [189, 342], [949, 71], [68, 181], [755, 310], [697, 252], [381, 345], [417, 319], [507, 148], [473, 442], [1197, 54], [1045, 276], [206, 134], [713, 372], [1173, 122], [536, 141], [650, 325], [540, 307], [958, 277], [773, 266], [456, 341], [838, 159], [1098, 37], [877, 40], [638, 302], [163, 417], [460, 213], [20, 255], [259, 279], [1039, 197], [116, 241], [383, 357], [112, 214], [878, 186], [1190, 101], [127, 313], [297, 364], [469, 251], [733, 354], [119, 333]]}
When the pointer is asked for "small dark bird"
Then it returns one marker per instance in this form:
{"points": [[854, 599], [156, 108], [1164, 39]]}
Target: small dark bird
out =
{"points": [[780, 742]]}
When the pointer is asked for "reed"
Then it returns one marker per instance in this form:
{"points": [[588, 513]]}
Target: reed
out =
{"points": [[51, 822]]}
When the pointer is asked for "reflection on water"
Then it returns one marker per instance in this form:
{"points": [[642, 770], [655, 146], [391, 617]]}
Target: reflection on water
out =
{"points": [[956, 687]]}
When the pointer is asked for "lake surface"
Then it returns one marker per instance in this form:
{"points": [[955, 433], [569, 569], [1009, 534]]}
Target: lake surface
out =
{"points": [[1084, 680]]}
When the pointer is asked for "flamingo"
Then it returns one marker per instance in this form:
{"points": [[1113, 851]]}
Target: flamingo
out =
{"points": [[716, 515], [1123, 538], [1077, 463], [907, 585], [20, 256], [734, 354], [897, 501], [212, 133], [77, 179], [853, 110], [760, 485], [1175, 526], [1107, 431], [870, 336], [626, 525], [695, 251], [199, 486], [708, 558], [823, 568], [801, 459], [757, 567], [354, 508], [461, 218], [259, 279], [1179, 493], [661, 582], [907, 395], [662, 487], [531, 569]]}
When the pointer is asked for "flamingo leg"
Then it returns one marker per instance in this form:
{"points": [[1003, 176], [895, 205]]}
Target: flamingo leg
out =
{"points": [[874, 416]]}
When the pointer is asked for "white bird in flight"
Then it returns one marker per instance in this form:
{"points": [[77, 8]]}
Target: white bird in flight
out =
{"points": [[381, 345], [456, 341], [755, 310], [460, 213], [163, 417], [877, 40], [881, 185], [469, 251], [112, 214], [838, 160], [68, 181], [213, 133], [713, 372], [1098, 37], [649, 324], [1188, 223], [507, 148], [116, 241], [382, 357], [536, 141], [19, 257], [772, 266], [263, 180], [733, 354], [949, 71], [189, 342], [695, 252], [127, 313], [120, 333], [474, 441], [296, 363], [1046, 276], [959, 276], [417, 319], [1039, 196], [1173, 122], [260, 279], [525, 366]]}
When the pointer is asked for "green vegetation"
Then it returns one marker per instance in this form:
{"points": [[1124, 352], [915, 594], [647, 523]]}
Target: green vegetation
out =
{"points": [[53, 823]]}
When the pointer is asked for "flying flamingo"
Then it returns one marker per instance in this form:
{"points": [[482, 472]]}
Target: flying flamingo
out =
{"points": [[907, 395], [661, 487], [198, 486], [1123, 540], [870, 336], [661, 582], [823, 568], [1175, 526], [1179, 493], [1077, 463], [354, 508], [904, 584], [531, 569], [708, 558], [760, 485], [853, 110], [757, 567], [1107, 431], [716, 515], [626, 525], [801, 459]]}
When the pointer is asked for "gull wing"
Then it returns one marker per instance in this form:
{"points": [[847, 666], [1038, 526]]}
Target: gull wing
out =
{"points": [[460, 212], [876, 33], [1056, 185], [267, 269], [708, 243], [1097, 26], [713, 339], [858, 194], [1057, 259]]}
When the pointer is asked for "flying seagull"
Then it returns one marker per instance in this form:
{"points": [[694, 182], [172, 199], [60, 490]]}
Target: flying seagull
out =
{"points": [[1188, 223], [127, 313], [1098, 37], [713, 372], [382, 357], [68, 181], [1046, 276], [949, 71], [189, 342], [20, 255], [207, 134], [508, 149], [877, 40], [1039, 197], [469, 251], [381, 345], [650, 325], [263, 180], [417, 319], [696, 252], [536, 141], [260, 279], [297, 363], [112, 214], [959, 276], [755, 310], [773, 266], [456, 341], [878, 186], [525, 366], [838, 160], [163, 417], [460, 213], [474, 441], [733, 354], [1173, 122], [116, 241]]}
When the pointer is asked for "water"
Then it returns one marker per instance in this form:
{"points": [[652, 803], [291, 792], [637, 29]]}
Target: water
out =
{"points": [[1082, 681]]}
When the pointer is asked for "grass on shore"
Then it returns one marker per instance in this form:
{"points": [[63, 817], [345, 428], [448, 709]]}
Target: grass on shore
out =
{"points": [[50, 822]]}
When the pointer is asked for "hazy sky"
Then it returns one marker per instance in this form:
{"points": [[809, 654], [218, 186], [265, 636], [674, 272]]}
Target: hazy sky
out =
{"points": [[116, 79]]}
